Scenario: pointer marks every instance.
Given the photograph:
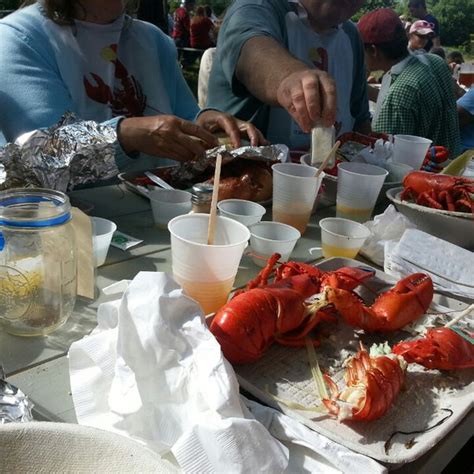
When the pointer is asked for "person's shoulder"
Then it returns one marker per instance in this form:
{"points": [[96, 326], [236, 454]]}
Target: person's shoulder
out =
{"points": [[431, 18], [27, 20]]}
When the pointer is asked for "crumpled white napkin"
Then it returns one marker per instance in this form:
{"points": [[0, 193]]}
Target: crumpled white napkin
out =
{"points": [[450, 266], [316, 453], [153, 371], [378, 155], [386, 227]]}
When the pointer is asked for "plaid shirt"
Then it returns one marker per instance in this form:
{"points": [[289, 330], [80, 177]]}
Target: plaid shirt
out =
{"points": [[421, 102]]}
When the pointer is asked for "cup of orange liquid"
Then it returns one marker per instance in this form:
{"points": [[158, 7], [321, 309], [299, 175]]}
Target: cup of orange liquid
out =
{"points": [[358, 187], [206, 272], [342, 237], [294, 191]]}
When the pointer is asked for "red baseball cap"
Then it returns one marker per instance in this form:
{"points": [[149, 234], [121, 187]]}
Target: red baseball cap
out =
{"points": [[379, 26]]}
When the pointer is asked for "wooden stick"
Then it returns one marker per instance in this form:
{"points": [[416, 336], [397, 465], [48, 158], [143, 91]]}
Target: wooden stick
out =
{"points": [[326, 160], [215, 191], [461, 315]]}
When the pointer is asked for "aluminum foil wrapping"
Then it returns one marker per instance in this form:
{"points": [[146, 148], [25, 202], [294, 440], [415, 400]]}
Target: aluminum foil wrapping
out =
{"points": [[61, 157], [189, 170], [14, 404]]}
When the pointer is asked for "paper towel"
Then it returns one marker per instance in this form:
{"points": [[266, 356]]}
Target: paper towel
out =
{"points": [[152, 371], [449, 266]]}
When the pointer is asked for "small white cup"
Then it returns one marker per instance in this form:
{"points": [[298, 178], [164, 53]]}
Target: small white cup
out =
{"points": [[167, 204], [397, 171], [266, 238], [410, 150], [342, 237], [295, 188], [241, 210], [102, 232], [358, 187]]}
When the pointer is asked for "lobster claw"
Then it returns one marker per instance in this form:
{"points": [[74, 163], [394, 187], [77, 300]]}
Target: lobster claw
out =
{"points": [[101, 92]]}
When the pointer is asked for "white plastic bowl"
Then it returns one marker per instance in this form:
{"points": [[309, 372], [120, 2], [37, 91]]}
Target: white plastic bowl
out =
{"points": [[241, 210], [455, 227], [266, 238]]}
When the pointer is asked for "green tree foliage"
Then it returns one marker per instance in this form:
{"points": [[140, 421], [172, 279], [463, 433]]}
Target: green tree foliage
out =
{"points": [[456, 18], [370, 5]]}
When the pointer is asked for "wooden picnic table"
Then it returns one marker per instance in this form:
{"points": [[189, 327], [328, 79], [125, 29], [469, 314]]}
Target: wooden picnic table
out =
{"points": [[39, 366]]}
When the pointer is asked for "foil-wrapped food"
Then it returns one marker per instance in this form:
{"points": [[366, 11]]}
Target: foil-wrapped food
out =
{"points": [[14, 404], [245, 173], [62, 157]]}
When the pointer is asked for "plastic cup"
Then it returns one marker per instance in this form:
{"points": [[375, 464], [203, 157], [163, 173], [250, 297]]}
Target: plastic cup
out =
{"points": [[397, 171], [167, 204], [241, 210], [294, 191], [358, 187], [206, 272], [266, 238], [342, 237], [410, 150], [102, 232]]}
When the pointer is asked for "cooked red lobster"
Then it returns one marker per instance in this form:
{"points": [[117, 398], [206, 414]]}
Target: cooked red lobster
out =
{"points": [[405, 302], [441, 348], [372, 384], [264, 313], [439, 191]]}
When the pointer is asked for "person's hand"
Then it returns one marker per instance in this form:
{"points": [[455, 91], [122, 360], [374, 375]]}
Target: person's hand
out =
{"points": [[215, 121], [166, 136], [310, 98]]}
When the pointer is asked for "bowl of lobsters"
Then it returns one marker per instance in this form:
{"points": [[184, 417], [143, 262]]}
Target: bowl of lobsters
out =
{"points": [[438, 204]]}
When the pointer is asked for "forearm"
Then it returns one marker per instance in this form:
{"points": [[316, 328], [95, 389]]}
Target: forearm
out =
{"points": [[263, 64]]}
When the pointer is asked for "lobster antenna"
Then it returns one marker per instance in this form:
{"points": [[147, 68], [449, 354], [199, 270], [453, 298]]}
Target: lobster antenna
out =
{"points": [[460, 316]]}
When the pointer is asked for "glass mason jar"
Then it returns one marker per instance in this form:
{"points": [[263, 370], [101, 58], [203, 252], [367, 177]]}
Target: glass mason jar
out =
{"points": [[37, 261]]}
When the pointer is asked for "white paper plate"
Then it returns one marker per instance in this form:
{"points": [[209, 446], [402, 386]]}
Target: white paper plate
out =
{"points": [[284, 372]]}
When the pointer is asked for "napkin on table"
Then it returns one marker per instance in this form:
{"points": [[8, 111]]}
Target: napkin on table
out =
{"points": [[386, 227], [450, 266], [153, 371]]}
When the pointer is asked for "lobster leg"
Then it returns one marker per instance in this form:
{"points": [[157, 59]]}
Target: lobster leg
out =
{"points": [[404, 303]]}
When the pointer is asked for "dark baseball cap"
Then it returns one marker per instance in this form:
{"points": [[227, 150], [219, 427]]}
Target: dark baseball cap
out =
{"points": [[379, 26]]}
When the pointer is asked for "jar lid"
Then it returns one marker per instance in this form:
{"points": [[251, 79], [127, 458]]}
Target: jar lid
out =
{"points": [[202, 192]]}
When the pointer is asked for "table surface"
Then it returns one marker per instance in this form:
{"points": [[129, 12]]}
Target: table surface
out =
{"points": [[39, 365]]}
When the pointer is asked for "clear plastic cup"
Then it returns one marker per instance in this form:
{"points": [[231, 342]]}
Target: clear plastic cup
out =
{"points": [[358, 187], [206, 272], [102, 232], [269, 237], [294, 191], [410, 150], [167, 204], [342, 237], [397, 171], [241, 210]]}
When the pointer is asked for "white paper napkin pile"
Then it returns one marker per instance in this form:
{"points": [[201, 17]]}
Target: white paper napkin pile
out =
{"points": [[152, 371], [450, 267]]}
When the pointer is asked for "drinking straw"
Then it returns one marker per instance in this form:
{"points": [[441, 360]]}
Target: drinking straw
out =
{"points": [[215, 191]]}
